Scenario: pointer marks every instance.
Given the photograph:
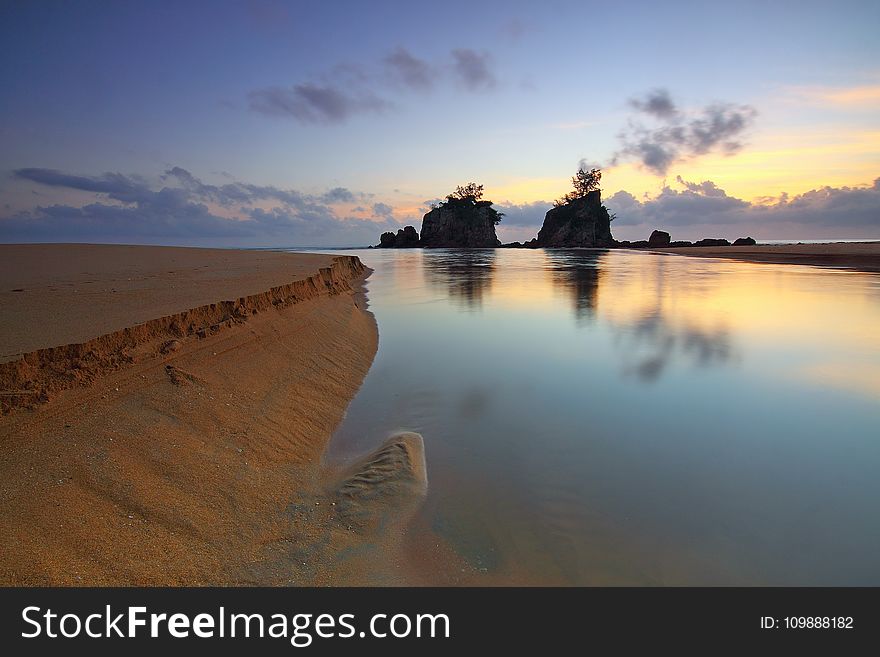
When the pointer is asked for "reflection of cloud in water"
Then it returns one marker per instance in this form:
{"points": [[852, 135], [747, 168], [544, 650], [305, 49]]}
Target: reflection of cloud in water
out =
{"points": [[465, 275], [474, 403], [578, 273], [654, 343]]}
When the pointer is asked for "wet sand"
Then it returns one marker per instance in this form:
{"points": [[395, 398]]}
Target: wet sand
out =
{"points": [[198, 464], [860, 256]]}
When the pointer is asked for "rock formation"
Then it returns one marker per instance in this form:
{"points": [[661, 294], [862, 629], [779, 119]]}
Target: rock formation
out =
{"points": [[712, 242], [460, 223], [406, 238], [744, 241], [582, 222], [659, 238]]}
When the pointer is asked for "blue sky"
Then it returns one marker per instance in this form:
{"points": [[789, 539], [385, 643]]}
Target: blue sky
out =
{"points": [[399, 102]]}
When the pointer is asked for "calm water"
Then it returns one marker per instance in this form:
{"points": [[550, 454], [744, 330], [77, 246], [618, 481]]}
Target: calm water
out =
{"points": [[631, 418]]}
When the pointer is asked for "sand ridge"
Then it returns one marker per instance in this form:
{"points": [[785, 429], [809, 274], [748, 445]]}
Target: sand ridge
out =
{"points": [[32, 377], [183, 466], [61, 294]]}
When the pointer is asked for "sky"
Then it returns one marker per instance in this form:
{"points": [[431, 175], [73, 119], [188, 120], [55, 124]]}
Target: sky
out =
{"points": [[271, 123]]}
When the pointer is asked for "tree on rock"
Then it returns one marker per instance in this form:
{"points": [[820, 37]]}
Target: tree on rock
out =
{"points": [[578, 219], [464, 220], [470, 192], [471, 195], [584, 182]]}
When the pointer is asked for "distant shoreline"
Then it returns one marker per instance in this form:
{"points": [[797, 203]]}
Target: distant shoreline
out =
{"points": [[859, 256]]}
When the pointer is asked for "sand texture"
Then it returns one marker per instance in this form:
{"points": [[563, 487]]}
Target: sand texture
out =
{"points": [[67, 293], [58, 336], [861, 256], [190, 452]]}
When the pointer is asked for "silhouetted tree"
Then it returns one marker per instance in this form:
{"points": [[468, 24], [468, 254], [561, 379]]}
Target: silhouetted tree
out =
{"points": [[469, 192], [584, 182]]}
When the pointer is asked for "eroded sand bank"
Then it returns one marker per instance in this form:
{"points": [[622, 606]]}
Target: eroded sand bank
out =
{"points": [[199, 464]]}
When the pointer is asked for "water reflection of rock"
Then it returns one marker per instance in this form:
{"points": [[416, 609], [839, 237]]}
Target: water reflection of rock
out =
{"points": [[465, 275], [651, 344], [579, 274]]}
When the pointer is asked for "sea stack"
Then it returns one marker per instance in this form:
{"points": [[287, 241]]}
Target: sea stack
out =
{"points": [[461, 222], [580, 222]]}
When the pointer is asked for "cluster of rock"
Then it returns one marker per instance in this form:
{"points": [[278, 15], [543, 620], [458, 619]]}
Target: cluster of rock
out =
{"points": [[659, 243], [660, 239], [579, 223], [467, 223], [455, 223], [406, 238]]}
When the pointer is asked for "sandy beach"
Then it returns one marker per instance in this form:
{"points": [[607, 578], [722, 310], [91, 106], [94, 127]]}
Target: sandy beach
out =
{"points": [[860, 256], [166, 414], [184, 398]]}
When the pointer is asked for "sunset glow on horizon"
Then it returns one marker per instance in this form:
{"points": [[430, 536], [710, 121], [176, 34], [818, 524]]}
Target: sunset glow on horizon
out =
{"points": [[245, 123]]}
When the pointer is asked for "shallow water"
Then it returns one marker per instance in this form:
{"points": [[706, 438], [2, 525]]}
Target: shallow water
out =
{"points": [[624, 417]]}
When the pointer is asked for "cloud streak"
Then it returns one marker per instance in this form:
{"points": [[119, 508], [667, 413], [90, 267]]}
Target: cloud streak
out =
{"points": [[524, 214], [828, 209], [657, 103], [347, 91], [697, 207], [676, 135], [185, 210], [409, 70], [115, 185], [473, 69], [314, 103]]}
